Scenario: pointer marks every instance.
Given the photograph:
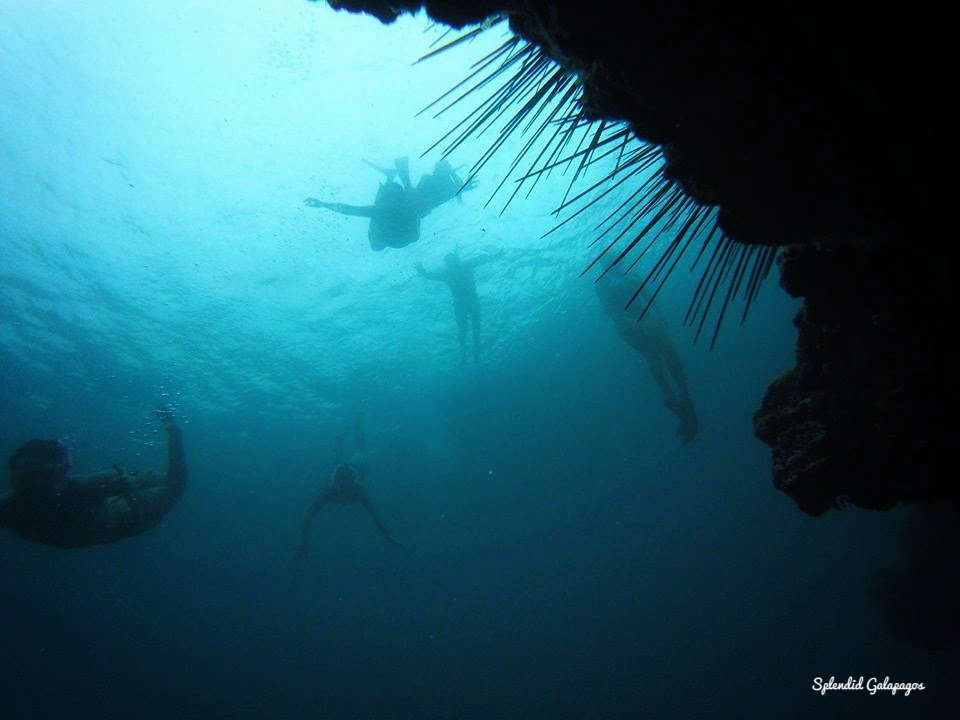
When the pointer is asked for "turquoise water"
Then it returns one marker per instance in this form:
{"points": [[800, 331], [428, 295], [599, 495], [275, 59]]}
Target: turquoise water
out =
{"points": [[566, 555]]}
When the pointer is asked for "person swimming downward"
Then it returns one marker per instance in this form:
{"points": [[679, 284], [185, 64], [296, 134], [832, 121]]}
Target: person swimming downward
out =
{"points": [[346, 487]]}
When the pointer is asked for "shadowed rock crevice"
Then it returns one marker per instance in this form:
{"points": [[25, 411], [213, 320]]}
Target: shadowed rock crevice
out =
{"points": [[919, 592]]}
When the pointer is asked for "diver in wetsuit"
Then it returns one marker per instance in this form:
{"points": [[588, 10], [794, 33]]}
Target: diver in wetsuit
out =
{"points": [[346, 488], [398, 208], [51, 506]]}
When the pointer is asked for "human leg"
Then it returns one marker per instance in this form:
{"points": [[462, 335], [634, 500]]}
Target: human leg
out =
{"points": [[403, 170], [475, 324], [461, 315]]}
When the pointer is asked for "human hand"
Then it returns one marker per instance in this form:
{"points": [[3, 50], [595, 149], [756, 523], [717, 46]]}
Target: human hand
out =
{"points": [[165, 415], [470, 184], [312, 202]]}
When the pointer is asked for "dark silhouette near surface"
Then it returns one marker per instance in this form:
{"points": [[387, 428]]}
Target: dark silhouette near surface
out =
{"points": [[649, 336], [50, 505], [346, 487], [459, 276], [398, 207]]}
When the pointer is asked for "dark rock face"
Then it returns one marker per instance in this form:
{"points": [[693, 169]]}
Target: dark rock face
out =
{"points": [[823, 130], [865, 417]]}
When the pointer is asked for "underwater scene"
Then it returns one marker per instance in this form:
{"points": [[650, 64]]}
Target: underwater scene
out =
{"points": [[315, 405]]}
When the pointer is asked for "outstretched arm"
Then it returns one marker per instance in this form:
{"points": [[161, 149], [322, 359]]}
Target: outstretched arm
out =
{"points": [[100, 485], [381, 525], [304, 547], [176, 458], [112, 482], [429, 275], [342, 208], [110, 478]]}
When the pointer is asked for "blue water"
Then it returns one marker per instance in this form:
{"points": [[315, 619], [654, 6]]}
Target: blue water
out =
{"points": [[566, 556]]}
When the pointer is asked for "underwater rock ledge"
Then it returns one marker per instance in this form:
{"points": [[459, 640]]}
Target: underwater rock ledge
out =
{"points": [[823, 130], [863, 418]]}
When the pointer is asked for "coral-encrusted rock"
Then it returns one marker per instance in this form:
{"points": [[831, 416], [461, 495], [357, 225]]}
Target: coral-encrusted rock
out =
{"points": [[865, 416], [792, 424]]}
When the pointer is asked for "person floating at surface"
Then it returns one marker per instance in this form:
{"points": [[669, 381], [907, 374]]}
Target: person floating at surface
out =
{"points": [[458, 275], [649, 336], [49, 505], [398, 207], [346, 487]]}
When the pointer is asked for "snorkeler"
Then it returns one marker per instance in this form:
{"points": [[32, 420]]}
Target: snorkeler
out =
{"points": [[458, 275], [51, 506], [398, 207], [346, 487], [649, 337]]}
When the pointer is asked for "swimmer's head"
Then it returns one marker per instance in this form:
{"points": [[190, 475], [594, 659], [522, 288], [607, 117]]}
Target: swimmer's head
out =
{"points": [[345, 473], [39, 465]]}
